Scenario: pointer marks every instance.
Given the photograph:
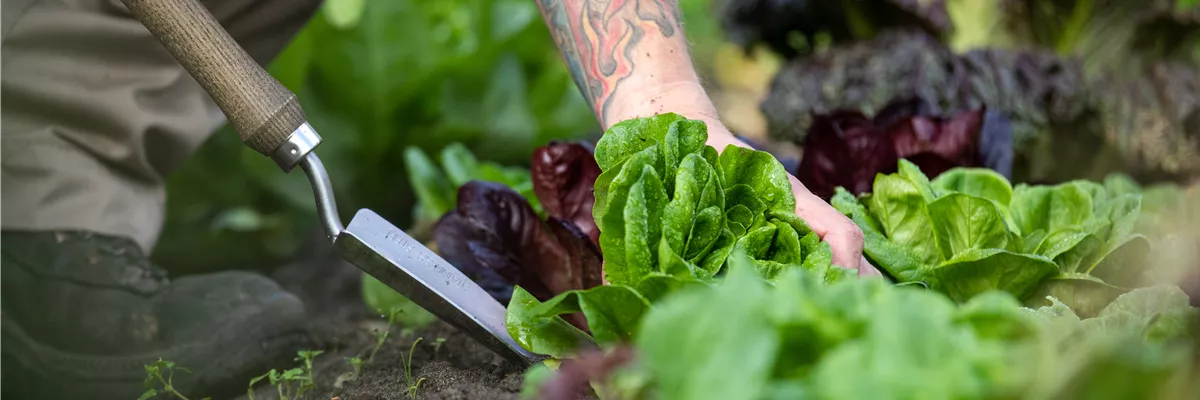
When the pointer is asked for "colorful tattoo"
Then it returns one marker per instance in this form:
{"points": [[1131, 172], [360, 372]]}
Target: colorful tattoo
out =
{"points": [[598, 39]]}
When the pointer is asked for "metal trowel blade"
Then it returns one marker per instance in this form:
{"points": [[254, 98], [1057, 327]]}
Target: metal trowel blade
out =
{"points": [[388, 254]]}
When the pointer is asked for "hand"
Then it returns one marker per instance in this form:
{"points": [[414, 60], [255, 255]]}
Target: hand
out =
{"points": [[843, 236], [689, 100]]}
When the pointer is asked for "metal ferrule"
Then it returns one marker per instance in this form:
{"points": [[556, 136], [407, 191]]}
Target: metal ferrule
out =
{"points": [[301, 142]]}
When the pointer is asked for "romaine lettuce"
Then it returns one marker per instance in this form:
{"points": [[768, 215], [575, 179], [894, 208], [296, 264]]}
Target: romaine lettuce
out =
{"points": [[801, 338], [970, 231], [670, 211]]}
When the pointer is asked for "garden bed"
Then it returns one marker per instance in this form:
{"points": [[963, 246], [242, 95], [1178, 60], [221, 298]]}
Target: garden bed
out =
{"points": [[343, 327], [969, 286]]}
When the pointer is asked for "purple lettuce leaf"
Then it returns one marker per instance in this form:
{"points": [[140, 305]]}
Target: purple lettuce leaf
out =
{"points": [[844, 149], [564, 174], [484, 237], [847, 149], [938, 144], [496, 239]]}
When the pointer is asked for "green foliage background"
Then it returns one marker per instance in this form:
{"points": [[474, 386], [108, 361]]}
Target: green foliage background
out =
{"points": [[377, 76]]}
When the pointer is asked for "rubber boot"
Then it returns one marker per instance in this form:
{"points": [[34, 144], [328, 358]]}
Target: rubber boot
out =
{"points": [[84, 313]]}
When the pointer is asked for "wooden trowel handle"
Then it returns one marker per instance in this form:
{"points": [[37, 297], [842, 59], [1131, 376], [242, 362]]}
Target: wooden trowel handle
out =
{"points": [[262, 110]]}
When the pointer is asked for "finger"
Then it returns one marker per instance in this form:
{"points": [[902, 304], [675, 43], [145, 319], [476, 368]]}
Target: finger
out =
{"points": [[866, 270], [844, 237], [845, 246]]}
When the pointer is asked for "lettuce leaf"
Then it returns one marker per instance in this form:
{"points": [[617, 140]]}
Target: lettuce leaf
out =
{"points": [[495, 233], [1087, 295], [804, 338], [896, 260], [902, 210], [801, 337], [837, 141], [680, 344], [563, 174], [668, 204], [497, 240], [436, 188], [541, 334], [1159, 312], [977, 271], [962, 222], [848, 149], [612, 311], [970, 231]]}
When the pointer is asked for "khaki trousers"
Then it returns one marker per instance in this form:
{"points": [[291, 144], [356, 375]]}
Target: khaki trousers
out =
{"points": [[95, 113]]}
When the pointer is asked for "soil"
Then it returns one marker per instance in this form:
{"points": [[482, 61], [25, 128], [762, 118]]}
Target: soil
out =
{"points": [[342, 326]]}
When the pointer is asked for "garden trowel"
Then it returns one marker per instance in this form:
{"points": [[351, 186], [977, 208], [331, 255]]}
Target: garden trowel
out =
{"points": [[269, 119]]}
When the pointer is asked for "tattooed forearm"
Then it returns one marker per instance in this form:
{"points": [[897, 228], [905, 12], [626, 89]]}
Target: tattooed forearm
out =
{"points": [[599, 39]]}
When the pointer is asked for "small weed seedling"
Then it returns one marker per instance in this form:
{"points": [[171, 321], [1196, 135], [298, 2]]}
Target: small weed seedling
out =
{"points": [[413, 386], [437, 344], [356, 362], [282, 381], [308, 383], [291, 383], [381, 337], [154, 378]]}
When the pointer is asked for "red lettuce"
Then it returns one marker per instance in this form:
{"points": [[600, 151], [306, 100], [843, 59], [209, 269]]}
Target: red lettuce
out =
{"points": [[497, 239], [494, 237], [844, 149], [563, 177], [847, 149], [483, 237]]}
